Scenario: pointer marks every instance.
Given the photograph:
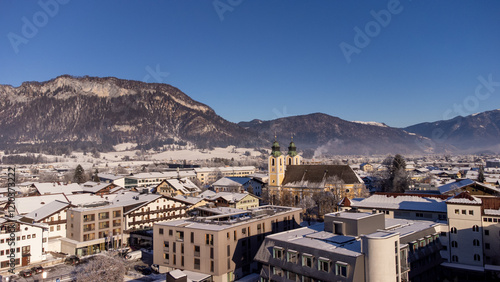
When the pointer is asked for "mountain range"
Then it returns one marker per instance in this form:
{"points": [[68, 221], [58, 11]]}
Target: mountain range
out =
{"points": [[92, 112]]}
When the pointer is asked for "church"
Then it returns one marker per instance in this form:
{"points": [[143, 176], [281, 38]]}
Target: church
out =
{"points": [[287, 174]]}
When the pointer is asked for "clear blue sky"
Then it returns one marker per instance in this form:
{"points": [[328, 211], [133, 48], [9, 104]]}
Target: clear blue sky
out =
{"points": [[268, 59]]}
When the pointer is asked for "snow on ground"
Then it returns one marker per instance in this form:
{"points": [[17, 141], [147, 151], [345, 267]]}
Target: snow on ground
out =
{"points": [[124, 146], [371, 123]]}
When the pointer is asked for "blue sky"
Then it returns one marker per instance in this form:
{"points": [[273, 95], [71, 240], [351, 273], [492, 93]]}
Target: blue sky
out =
{"points": [[269, 59]]}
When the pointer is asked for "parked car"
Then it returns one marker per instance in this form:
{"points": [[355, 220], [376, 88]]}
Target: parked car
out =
{"points": [[155, 268], [26, 273], [134, 255], [37, 269], [144, 269], [72, 260]]}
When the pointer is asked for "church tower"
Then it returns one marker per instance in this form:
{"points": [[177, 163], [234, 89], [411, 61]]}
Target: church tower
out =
{"points": [[292, 158], [276, 165]]}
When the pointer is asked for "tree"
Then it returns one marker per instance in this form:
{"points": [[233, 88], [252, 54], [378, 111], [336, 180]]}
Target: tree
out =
{"points": [[480, 176], [398, 180], [102, 267], [79, 175], [95, 177]]}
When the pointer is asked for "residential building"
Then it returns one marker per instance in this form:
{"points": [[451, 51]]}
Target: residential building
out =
{"points": [[30, 241], [173, 187], [207, 175], [238, 184], [353, 246], [223, 245], [401, 205]]}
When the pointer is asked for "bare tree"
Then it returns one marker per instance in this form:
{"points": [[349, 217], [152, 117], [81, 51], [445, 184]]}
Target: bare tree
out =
{"points": [[48, 177], [102, 267]]}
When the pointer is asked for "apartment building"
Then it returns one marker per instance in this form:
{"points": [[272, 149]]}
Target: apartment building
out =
{"points": [[353, 246], [401, 205], [98, 226], [54, 215], [94, 228], [208, 175], [30, 241], [223, 245]]}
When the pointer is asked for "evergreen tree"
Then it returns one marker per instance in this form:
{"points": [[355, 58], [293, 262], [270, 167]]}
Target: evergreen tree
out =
{"points": [[79, 176], [95, 178], [398, 176], [480, 176]]}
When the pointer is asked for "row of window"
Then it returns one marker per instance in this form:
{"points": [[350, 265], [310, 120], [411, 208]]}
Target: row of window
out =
{"points": [[454, 258], [490, 219], [464, 212], [101, 215], [19, 238], [308, 260], [422, 242]]}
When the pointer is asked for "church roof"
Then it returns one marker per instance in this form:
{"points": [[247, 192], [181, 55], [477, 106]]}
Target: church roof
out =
{"points": [[318, 175]]}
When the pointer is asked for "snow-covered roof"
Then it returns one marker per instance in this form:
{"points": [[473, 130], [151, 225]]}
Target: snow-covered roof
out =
{"points": [[231, 181], [464, 198], [26, 205], [163, 175], [94, 187], [455, 185], [110, 176], [47, 210], [85, 198], [402, 202], [57, 187], [207, 194], [184, 185], [187, 199], [229, 196]]}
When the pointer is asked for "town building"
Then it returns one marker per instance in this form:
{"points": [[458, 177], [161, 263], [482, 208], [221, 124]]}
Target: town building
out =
{"points": [[207, 175], [353, 246], [30, 241], [223, 245]]}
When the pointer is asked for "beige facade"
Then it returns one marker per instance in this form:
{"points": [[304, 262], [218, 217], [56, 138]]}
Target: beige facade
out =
{"points": [[223, 246], [92, 230], [208, 175]]}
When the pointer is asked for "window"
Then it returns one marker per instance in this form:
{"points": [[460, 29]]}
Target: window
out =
{"points": [[475, 242], [454, 258], [104, 225], [166, 257], [179, 235], [278, 271], [161, 231], [52, 229], [116, 213], [182, 248], [292, 256], [196, 251], [486, 232], [103, 215], [197, 263], [307, 260], [464, 212], [471, 212], [457, 211], [453, 230], [211, 253], [291, 275], [278, 253], [173, 247], [487, 246], [166, 246], [454, 244], [228, 250], [192, 237], [341, 269], [212, 266], [475, 228], [324, 265], [209, 239], [477, 257]]}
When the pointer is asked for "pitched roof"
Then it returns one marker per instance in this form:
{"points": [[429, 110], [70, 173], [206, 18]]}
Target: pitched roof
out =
{"points": [[184, 185], [455, 185], [47, 210], [26, 205], [57, 187], [402, 201], [464, 198], [318, 175]]}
